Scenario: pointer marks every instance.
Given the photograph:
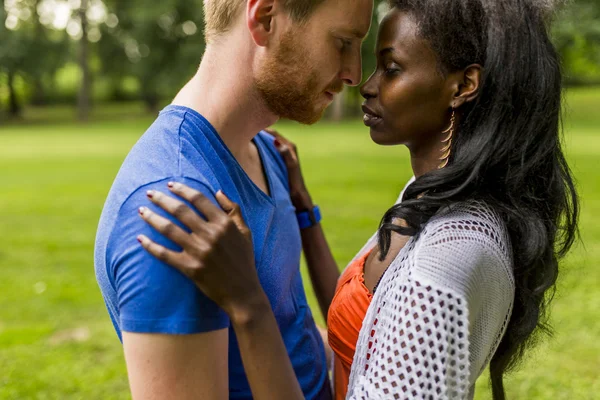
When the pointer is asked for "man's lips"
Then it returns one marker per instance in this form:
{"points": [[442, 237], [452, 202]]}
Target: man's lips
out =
{"points": [[371, 118], [332, 92]]}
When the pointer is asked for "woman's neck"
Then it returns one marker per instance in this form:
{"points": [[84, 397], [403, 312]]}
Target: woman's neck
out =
{"points": [[427, 156]]}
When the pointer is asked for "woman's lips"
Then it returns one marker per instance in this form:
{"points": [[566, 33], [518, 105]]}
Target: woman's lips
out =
{"points": [[370, 119]]}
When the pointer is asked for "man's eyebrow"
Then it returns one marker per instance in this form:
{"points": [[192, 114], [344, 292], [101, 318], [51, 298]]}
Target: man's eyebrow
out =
{"points": [[357, 33]]}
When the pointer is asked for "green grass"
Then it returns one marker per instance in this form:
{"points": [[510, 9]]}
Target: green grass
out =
{"points": [[56, 340]]}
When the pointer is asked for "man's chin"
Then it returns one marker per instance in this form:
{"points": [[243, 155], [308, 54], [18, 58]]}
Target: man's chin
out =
{"points": [[305, 117]]}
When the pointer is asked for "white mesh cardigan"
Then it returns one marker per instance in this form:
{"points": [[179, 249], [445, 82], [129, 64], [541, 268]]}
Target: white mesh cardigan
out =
{"points": [[439, 311]]}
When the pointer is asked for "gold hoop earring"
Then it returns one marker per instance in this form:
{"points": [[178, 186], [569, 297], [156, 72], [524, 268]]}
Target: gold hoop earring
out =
{"points": [[448, 142]]}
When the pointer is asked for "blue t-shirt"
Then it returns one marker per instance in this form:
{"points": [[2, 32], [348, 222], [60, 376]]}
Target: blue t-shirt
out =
{"points": [[144, 295]]}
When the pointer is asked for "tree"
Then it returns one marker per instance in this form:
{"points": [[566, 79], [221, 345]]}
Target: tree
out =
{"points": [[157, 42], [577, 38], [25, 41], [13, 61], [84, 96], [2, 38], [39, 36]]}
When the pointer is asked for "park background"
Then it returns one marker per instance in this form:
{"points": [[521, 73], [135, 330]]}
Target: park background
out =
{"points": [[81, 80]]}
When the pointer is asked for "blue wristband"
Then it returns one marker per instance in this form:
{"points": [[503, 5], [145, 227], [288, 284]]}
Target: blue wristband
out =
{"points": [[309, 218]]}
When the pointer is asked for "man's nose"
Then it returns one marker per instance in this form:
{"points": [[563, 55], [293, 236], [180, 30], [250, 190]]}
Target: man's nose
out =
{"points": [[351, 73]]}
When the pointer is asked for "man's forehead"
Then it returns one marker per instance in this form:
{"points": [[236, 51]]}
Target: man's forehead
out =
{"points": [[352, 17]]}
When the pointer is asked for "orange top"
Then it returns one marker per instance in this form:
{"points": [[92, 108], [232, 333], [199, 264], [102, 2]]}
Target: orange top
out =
{"points": [[344, 320]]}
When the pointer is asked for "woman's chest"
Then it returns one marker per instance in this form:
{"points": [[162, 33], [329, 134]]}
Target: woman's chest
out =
{"points": [[375, 267]]}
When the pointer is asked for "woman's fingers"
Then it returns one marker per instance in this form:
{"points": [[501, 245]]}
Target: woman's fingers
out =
{"points": [[170, 257], [227, 205], [165, 227], [289, 156], [234, 212], [197, 199], [272, 132], [178, 209], [282, 140]]}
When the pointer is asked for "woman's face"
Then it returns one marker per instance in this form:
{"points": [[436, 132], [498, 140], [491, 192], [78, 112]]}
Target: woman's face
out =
{"points": [[408, 100]]}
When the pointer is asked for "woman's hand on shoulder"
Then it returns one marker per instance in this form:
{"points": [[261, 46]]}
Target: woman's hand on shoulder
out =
{"points": [[217, 255]]}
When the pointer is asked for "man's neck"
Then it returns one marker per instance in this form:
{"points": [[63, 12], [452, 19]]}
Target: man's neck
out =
{"points": [[223, 92]]}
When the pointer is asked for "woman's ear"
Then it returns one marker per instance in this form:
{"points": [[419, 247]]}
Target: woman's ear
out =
{"points": [[467, 85], [259, 16]]}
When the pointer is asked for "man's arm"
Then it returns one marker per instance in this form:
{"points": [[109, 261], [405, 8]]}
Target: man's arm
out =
{"points": [[177, 366], [175, 338], [225, 240]]}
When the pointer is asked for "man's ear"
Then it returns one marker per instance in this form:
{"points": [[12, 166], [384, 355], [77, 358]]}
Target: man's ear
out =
{"points": [[260, 17], [467, 85]]}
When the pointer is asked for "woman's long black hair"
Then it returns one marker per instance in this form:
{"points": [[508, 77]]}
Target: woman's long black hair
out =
{"points": [[507, 150]]}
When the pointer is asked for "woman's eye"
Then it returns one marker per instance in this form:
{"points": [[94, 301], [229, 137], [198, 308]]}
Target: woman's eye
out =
{"points": [[391, 68]]}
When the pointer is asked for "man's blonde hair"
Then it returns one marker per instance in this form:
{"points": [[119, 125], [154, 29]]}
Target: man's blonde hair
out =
{"points": [[220, 14]]}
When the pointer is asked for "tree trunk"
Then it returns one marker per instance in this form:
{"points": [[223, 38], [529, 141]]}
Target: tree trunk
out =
{"points": [[151, 100], [14, 108], [337, 108], [39, 92], [83, 101]]}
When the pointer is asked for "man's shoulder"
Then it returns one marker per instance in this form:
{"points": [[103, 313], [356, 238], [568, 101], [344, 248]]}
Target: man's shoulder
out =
{"points": [[152, 162], [160, 155]]}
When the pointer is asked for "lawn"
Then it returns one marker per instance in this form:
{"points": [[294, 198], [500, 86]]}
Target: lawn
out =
{"points": [[56, 340]]}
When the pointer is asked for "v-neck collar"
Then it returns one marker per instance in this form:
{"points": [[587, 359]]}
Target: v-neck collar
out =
{"points": [[265, 168], [219, 145]]}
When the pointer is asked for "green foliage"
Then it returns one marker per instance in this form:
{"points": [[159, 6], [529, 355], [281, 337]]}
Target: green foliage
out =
{"points": [[577, 37], [30, 50], [56, 339], [150, 48], [159, 42]]}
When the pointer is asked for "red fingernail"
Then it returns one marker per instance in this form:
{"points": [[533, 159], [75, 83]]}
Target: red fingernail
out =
{"points": [[170, 184], [277, 143], [150, 193], [139, 239]]}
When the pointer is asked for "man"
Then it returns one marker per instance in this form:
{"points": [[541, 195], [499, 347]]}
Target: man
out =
{"points": [[265, 59]]}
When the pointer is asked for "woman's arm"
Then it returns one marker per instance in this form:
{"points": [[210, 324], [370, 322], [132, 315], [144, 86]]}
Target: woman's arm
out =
{"points": [[218, 256], [322, 267]]}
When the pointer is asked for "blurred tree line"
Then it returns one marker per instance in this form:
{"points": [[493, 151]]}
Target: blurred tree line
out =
{"points": [[83, 52]]}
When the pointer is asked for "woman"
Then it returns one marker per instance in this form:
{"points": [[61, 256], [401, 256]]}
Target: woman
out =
{"points": [[461, 270]]}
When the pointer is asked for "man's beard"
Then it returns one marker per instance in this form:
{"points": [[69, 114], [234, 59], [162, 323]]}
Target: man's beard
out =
{"points": [[290, 87]]}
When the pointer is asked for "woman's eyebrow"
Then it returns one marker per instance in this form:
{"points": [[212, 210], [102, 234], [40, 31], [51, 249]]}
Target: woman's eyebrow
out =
{"points": [[385, 51]]}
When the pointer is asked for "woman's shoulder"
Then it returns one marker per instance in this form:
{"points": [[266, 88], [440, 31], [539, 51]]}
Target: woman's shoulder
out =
{"points": [[462, 244], [472, 219]]}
